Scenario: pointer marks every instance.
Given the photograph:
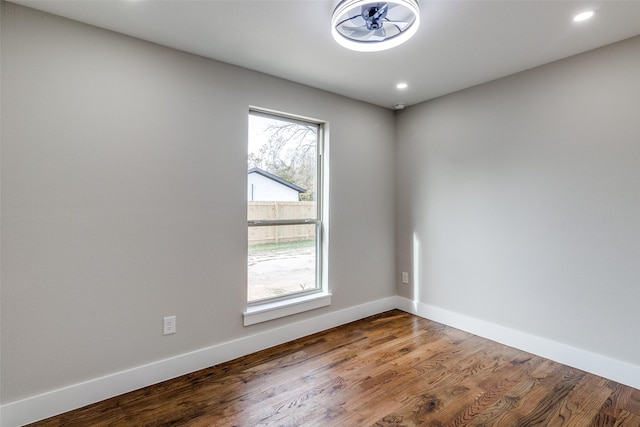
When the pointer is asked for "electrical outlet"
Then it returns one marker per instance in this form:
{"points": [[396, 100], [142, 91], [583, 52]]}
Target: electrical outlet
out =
{"points": [[405, 277], [169, 325]]}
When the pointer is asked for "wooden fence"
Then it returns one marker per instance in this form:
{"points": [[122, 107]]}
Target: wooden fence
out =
{"points": [[260, 235]]}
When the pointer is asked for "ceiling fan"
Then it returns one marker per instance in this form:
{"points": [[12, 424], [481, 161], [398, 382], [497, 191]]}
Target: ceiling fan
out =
{"points": [[372, 26]]}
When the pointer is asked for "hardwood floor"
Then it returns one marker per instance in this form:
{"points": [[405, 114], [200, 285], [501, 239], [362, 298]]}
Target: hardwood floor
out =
{"points": [[392, 369]]}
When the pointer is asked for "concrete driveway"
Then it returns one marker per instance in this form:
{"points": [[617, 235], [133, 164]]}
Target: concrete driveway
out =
{"points": [[277, 272]]}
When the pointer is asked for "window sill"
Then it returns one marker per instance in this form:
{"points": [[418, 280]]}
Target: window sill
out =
{"points": [[275, 310]]}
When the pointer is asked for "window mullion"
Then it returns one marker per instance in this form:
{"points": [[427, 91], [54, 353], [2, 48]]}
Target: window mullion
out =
{"points": [[266, 223]]}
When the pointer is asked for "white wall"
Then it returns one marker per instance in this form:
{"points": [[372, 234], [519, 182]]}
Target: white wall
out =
{"points": [[519, 202], [112, 213]]}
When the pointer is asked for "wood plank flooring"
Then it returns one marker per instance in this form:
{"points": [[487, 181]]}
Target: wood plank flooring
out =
{"points": [[392, 369]]}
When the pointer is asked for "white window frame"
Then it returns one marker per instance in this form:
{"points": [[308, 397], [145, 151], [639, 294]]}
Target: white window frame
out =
{"points": [[272, 308]]}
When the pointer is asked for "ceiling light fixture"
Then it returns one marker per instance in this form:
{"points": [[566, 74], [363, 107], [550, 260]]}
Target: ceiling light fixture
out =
{"points": [[402, 86], [367, 26], [583, 16]]}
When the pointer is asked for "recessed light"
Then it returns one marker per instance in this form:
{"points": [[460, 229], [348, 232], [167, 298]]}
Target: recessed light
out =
{"points": [[402, 85], [583, 16]]}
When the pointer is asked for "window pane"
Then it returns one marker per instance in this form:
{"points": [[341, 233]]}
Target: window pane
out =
{"points": [[282, 189], [282, 260], [282, 168]]}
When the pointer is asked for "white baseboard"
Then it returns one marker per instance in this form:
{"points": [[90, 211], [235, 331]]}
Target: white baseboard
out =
{"points": [[622, 372], [75, 396]]}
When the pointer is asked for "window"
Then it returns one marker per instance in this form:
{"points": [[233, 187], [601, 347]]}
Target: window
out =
{"points": [[284, 210]]}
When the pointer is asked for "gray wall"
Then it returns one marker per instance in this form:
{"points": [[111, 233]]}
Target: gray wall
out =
{"points": [[124, 200], [523, 196]]}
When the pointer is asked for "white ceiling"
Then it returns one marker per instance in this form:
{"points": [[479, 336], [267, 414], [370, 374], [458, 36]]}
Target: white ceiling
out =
{"points": [[459, 43]]}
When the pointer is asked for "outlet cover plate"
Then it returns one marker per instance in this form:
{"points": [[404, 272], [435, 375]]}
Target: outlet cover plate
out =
{"points": [[169, 325]]}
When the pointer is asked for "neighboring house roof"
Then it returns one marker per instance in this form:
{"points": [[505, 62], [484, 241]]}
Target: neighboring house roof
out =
{"points": [[276, 179]]}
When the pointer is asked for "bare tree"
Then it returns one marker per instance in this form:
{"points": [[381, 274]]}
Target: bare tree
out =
{"points": [[290, 153]]}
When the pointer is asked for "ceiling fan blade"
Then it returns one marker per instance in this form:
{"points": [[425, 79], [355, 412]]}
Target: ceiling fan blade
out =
{"points": [[347, 20], [392, 5], [400, 23], [357, 31], [380, 33]]}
